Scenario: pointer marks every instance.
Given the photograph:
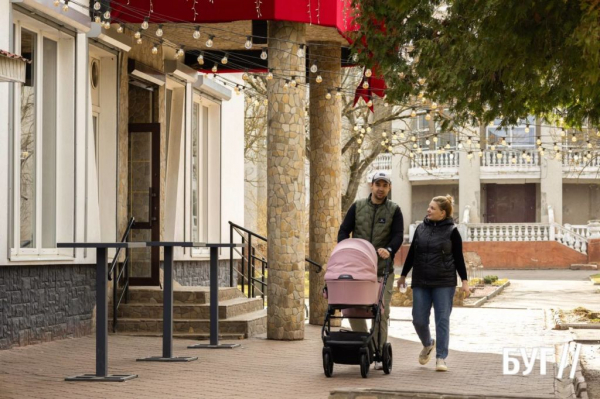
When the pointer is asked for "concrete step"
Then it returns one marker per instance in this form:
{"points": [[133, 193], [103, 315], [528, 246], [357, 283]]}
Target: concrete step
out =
{"points": [[191, 295], [584, 266], [195, 336], [248, 324], [227, 309]]}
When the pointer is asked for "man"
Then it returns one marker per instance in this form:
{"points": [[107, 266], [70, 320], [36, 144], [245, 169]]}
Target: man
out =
{"points": [[379, 221]]}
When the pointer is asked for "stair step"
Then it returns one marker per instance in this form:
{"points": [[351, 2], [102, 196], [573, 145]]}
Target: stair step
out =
{"points": [[227, 309], [195, 336], [248, 324], [193, 295], [585, 266]]}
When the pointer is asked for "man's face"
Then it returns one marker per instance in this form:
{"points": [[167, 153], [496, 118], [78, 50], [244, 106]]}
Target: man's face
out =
{"points": [[380, 189]]}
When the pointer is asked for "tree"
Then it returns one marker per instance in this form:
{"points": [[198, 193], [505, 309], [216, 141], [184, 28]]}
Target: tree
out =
{"points": [[488, 59]]}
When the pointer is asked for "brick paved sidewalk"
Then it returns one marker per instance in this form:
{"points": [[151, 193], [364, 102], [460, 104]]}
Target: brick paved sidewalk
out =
{"points": [[274, 369]]}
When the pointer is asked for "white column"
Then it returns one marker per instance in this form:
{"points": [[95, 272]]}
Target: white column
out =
{"points": [[5, 132], [469, 184], [81, 129], [551, 190], [401, 186]]}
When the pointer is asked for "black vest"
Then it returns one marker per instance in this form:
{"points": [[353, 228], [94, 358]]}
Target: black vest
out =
{"points": [[434, 263]]}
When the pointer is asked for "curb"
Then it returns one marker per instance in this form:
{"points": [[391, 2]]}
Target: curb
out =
{"points": [[486, 298], [559, 325]]}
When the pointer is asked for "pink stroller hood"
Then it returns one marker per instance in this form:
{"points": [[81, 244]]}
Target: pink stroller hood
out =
{"points": [[355, 257]]}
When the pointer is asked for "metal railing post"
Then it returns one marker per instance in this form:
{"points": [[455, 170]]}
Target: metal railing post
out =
{"points": [[250, 261], [243, 260], [231, 257]]}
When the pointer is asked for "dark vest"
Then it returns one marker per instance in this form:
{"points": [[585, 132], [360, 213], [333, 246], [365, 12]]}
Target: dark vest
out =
{"points": [[434, 263], [374, 224]]}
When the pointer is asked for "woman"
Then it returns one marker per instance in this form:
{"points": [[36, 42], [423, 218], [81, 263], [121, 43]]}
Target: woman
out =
{"points": [[435, 256]]}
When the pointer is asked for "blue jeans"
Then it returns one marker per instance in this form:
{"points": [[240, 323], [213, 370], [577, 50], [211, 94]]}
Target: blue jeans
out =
{"points": [[441, 298]]}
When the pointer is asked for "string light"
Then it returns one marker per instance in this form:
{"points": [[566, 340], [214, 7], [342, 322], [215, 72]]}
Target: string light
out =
{"points": [[328, 95], [144, 24], [370, 103], [503, 142], [293, 83], [300, 52], [263, 54], [589, 144], [139, 41], [428, 117], [56, 3], [154, 49], [421, 81], [97, 6], [179, 53], [539, 140], [200, 58], [460, 145], [138, 34], [214, 68], [159, 31], [433, 105], [245, 76], [97, 19], [368, 73], [209, 43], [413, 113], [107, 14], [318, 79], [470, 155], [196, 34], [527, 128], [369, 129], [121, 28], [224, 60], [555, 147], [365, 85], [338, 94], [574, 138], [266, 101], [248, 44], [270, 75], [286, 84], [314, 68], [66, 6]]}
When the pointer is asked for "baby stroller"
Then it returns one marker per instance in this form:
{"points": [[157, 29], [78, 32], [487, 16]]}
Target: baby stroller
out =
{"points": [[352, 288]]}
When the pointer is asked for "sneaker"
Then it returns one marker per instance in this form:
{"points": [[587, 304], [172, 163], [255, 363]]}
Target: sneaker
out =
{"points": [[440, 365], [378, 366], [426, 353]]}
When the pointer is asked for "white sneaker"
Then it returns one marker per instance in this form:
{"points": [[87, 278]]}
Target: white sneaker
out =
{"points": [[425, 354], [378, 366], [440, 365]]}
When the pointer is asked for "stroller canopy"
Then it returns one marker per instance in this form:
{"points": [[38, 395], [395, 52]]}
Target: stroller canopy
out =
{"points": [[355, 257]]}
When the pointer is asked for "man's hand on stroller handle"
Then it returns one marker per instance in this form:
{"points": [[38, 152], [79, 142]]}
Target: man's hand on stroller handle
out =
{"points": [[383, 253]]}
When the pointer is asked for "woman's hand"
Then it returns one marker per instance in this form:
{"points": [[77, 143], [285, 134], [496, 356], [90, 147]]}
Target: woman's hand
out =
{"points": [[465, 288], [383, 253], [401, 282]]}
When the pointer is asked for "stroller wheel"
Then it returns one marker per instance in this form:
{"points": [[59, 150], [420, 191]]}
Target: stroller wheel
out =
{"points": [[327, 362], [364, 365], [387, 358]]}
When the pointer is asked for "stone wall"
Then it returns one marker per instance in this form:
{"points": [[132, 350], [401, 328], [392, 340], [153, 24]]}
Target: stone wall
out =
{"points": [[197, 273], [45, 303]]}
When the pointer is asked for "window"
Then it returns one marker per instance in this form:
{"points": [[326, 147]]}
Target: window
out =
{"points": [[38, 116], [429, 141], [521, 136]]}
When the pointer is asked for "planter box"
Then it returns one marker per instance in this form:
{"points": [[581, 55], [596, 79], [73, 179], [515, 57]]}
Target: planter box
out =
{"points": [[12, 67]]}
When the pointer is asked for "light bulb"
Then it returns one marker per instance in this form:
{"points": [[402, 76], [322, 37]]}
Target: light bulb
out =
{"points": [[245, 77], [97, 6], [390, 148], [470, 155], [447, 145], [145, 24], [263, 54], [97, 19], [56, 3], [503, 141], [427, 142], [368, 73], [527, 128], [237, 90], [385, 104], [419, 150], [513, 159], [402, 135], [384, 133], [413, 113], [139, 41], [383, 142], [214, 68], [562, 133], [120, 29], [589, 145], [499, 155], [286, 85], [159, 31], [328, 95], [180, 52], [314, 68], [256, 103], [338, 94], [362, 130], [574, 138], [428, 117], [196, 34], [451, 154], [480, 154], [589, 155], [412, 155], [200, 59], [224, 60], [460, 145], [413, 138], [359, 141], [394, 136], [365, 85], [318, 79], [248, 43], [421, 94], [356, 128], [360, 151], [555, 147], [493, 147], [293, 83], [300, 52], [107, 15], [558, 156], [421, 81], [433, 105], [106, 25], [266, 101], [210, 42], [137, 34], [154, 50], [66, 6], [539, 141], [469, 141], [524, 155], [369, 129], [270, 75]]}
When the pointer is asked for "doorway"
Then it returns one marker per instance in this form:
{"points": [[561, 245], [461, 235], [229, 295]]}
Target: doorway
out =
{"points": [[511, 203]]}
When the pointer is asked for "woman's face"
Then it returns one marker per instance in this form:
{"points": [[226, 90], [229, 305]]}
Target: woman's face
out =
{"points": [[434, 213]]}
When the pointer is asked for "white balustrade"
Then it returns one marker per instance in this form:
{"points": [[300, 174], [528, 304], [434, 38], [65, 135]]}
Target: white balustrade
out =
{"points": [[435, 160], [581, 229], [383, 162], [579, 159], [570, 238], [512, 158]]}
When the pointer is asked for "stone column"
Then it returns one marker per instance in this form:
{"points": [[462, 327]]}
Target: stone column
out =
{"points": [[325, 168], [550, 180], [469, 183], [285, 183]]}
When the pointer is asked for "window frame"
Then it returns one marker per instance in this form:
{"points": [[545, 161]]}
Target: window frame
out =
{"points": [[42, 32], [510, 134]]}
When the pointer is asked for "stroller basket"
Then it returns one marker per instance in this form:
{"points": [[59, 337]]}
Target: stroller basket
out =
{"points": [[345, 345]]}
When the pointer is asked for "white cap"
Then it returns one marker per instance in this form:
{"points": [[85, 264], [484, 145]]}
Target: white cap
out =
{"points": [[381, 175]]}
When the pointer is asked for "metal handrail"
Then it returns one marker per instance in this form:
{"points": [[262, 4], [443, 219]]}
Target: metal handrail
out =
{"points": [[124, 272], [315, 264]]}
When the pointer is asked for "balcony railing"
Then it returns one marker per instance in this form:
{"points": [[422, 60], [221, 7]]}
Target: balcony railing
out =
{"points": [[506, 158], [382, 162], [435, 160], [580, 160]]}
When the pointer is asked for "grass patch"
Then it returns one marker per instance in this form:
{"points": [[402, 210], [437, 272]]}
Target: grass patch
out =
{"points": [[500, 282]]}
